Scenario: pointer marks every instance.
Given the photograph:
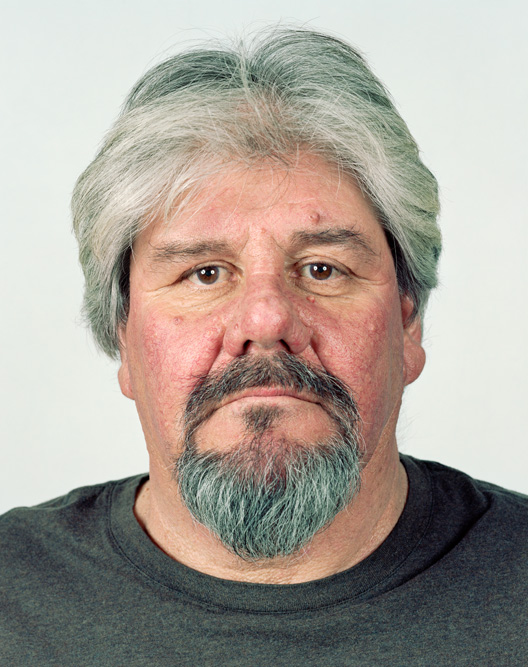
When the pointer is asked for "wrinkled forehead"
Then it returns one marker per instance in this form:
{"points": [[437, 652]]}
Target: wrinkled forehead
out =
{"points": [[285, 198]]}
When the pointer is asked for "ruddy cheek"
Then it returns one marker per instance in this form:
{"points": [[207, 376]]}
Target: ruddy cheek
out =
{"points": [[357, 350], [170, 354], [177, 350]]}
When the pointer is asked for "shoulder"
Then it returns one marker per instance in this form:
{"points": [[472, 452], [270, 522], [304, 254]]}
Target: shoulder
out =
{"points": [[465, 487], [58, 510], [31, 534], [489, 519]]}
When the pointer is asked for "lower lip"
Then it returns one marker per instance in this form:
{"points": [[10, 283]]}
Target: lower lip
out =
{"points": [[273, 398]]}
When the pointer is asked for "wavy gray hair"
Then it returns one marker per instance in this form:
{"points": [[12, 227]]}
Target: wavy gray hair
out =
{"points": [[283, 91]]}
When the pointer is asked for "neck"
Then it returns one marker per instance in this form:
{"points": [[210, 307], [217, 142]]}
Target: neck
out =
{"points": [[354, 534]]}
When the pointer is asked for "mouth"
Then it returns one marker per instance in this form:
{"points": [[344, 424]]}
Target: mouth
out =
{"points": [[269, 392]]}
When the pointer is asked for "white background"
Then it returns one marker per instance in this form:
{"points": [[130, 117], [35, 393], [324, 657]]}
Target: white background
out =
{"points": [[458, 71]]}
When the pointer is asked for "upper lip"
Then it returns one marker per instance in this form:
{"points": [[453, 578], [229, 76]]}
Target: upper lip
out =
{"points": [[269, 392]]}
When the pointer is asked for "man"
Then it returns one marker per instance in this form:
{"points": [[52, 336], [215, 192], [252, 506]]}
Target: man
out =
{"points": [[258, 236]]}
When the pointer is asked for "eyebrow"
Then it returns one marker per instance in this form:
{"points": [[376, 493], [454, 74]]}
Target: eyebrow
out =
{"points": [[341, 237], [175, 251]]}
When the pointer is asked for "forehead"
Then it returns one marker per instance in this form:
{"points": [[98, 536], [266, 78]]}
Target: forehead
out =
{"points": [[242, 202]]}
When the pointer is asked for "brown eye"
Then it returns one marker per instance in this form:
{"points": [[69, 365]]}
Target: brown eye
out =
{"points": [[208, 275], [320, 271]]}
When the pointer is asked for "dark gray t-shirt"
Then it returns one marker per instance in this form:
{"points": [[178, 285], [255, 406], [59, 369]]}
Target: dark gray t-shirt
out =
{"points": [[82, 584]]}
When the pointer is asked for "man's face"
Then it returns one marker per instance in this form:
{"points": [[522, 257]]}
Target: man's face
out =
{"points": [[267, 261]]}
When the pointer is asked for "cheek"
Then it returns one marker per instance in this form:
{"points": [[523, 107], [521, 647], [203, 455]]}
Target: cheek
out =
{"points": [[365, 350], [168, 354]]}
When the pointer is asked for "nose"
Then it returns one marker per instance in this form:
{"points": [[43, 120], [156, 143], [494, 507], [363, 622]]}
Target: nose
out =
{"points": [[266, 318]]}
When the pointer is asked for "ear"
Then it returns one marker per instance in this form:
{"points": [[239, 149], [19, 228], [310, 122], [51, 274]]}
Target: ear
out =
{"points": [[123, 374], [413, 352]]}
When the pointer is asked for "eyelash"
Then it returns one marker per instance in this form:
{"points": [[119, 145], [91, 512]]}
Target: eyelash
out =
{"points": [[326, 265]]}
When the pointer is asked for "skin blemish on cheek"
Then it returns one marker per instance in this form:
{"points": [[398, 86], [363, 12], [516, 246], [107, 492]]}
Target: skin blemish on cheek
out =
{"points": [[213, 329], [311, 299], [210, 334]]}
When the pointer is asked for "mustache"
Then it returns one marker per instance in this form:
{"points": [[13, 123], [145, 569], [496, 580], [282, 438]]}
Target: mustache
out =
{"points": [[282, 370]]}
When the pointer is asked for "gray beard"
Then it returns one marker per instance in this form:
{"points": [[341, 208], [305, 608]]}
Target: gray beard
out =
{"points": [[268, 497]]}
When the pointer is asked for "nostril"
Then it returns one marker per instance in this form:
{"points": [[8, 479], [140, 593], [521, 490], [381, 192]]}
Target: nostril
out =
{"points": [[281, 345]]}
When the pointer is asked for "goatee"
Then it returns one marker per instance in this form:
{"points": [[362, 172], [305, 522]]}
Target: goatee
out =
{"points": [[267, 497]]}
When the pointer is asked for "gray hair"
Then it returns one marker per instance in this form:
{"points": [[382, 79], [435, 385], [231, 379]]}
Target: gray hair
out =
{"points": [[189, 117]]}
